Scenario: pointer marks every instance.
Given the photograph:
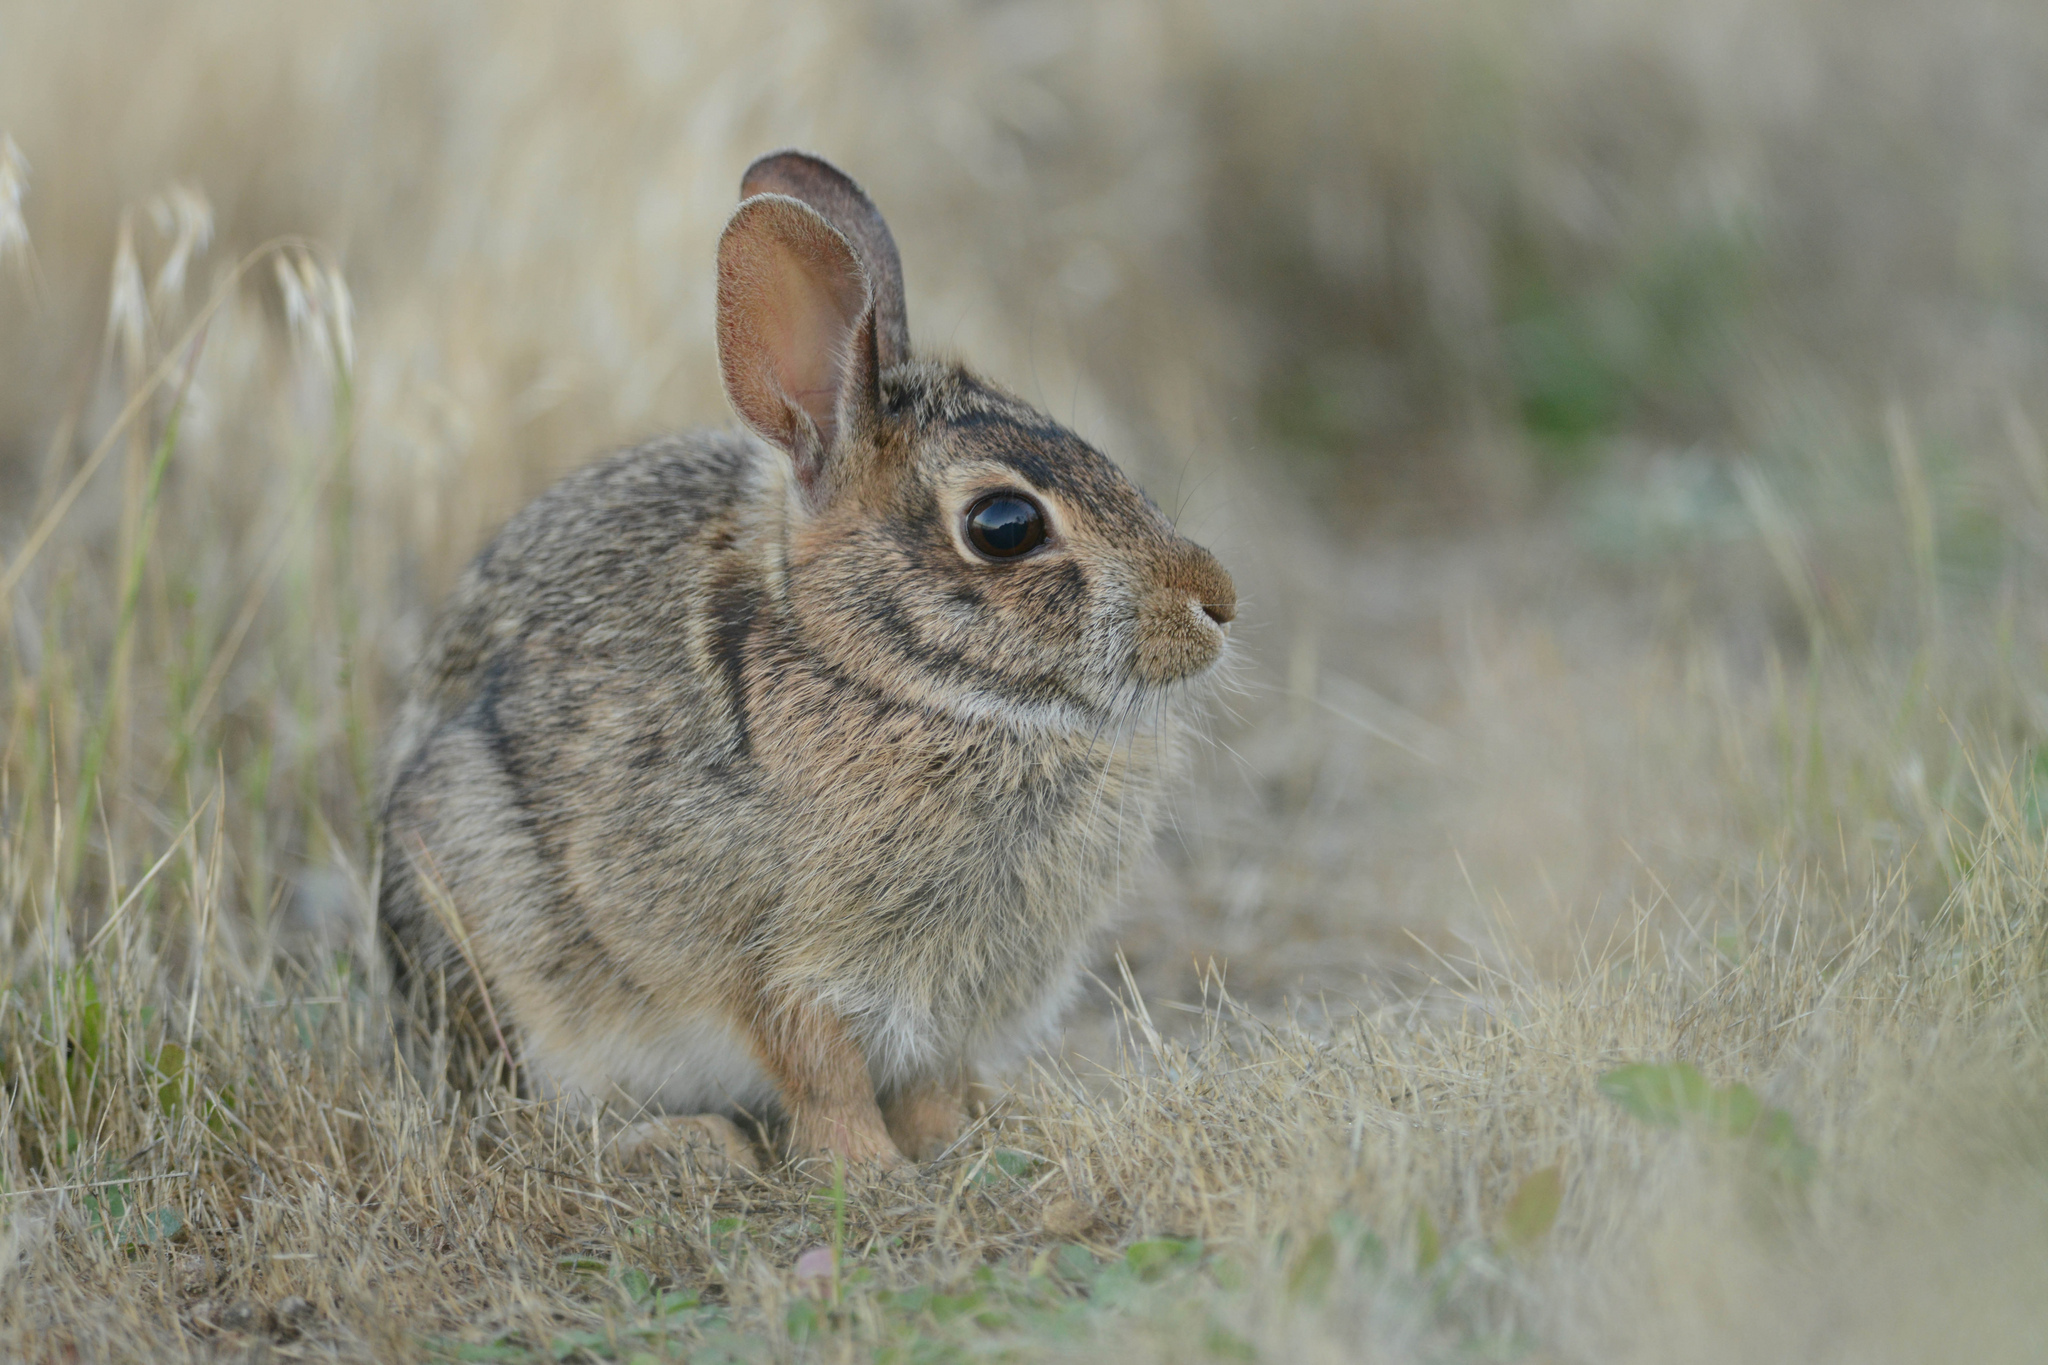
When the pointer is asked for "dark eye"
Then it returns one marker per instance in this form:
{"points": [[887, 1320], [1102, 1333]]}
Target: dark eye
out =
{"points": [[1005, 525]]}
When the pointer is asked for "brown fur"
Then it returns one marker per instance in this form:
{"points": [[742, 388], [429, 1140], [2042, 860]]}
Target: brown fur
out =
{"points": [[742, 780]]}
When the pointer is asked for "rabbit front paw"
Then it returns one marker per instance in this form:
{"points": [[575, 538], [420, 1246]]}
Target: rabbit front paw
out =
{"points": [[703, 1144], [853, 1133], [924, 1119]]}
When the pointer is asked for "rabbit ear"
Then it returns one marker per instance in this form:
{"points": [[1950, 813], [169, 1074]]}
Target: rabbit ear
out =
{"points": [[796, 332], [842, 203]]}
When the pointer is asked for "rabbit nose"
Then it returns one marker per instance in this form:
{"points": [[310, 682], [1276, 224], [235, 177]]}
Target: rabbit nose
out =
{"points": [[1207, 585]]}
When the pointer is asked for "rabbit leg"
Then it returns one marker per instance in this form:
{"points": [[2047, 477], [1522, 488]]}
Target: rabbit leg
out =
{"points": [[925, 1116], [826, 1089], [710, 1143]]}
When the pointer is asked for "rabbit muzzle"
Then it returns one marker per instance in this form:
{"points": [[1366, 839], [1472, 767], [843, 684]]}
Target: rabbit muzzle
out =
{"points": [[1183, 616]]}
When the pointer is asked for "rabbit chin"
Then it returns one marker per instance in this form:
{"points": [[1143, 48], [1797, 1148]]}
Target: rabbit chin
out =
{"points": [[1129, 701]]}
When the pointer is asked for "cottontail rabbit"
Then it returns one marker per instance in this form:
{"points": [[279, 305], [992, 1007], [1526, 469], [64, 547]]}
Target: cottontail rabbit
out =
{"points": [[788, 773]]}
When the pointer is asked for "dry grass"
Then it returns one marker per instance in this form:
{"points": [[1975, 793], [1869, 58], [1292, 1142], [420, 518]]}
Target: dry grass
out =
{"points": [[1618, 418]]}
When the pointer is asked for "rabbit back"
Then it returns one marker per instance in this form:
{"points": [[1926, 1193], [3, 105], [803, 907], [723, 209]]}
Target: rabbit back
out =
{"points": [[499, 755]]}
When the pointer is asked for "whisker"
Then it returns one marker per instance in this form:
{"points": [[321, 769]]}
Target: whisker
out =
{"points": [[1122, 795]]}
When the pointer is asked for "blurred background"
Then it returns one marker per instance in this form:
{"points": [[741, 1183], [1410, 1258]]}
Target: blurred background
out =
{"points": [[1622, 416]]}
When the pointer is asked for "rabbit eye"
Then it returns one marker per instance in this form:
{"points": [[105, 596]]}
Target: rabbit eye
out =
{"points": [[1005, 525]]}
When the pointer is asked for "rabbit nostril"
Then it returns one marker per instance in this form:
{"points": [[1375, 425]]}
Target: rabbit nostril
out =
{"points": [[1222, 613]]}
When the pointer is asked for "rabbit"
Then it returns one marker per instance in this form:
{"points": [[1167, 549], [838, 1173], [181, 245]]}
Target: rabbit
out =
{"points": [[788, 773]]}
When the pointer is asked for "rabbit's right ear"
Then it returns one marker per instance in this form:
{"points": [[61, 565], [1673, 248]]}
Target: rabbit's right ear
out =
{"points": [[845, 206], [796, 332]]}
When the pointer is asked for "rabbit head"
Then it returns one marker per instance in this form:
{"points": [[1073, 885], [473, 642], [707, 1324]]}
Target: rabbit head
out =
{"points": [[948, 544]]}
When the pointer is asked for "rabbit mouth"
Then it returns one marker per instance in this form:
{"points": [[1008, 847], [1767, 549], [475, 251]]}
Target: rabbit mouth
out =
{"points": [[1178, 640], [1135, 699]]}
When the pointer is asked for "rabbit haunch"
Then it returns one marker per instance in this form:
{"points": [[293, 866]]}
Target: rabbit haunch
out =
{"points": [[744, 781]]}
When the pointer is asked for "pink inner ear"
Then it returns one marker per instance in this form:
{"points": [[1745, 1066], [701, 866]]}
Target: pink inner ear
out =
{"points": [[791, 297], [806, 329]]}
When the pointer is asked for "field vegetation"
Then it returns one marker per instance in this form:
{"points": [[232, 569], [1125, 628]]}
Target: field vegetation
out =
{"points": [[1610, 923]]}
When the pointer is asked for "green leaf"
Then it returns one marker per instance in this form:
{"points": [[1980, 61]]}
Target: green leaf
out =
{"points": [[1429, 1248], [1533, 1210], [80, 1020], [88, 1017], [1677, 1095], [946, 1307], [1151, 1259], [1004, 1165], [1665, 1095], [1735, 1110], [172, 1085], [1075, 1263], [1784, 1153], [1230, 1273], [571, 1343], [1225, 1344], [158, 1225], [1310, 1274], [218, 1109], [636, 1285], [503, 1349]]}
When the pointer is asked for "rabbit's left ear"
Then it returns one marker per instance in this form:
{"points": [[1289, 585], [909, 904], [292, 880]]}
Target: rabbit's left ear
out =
{"points": [[796, 334], [843, 204]]}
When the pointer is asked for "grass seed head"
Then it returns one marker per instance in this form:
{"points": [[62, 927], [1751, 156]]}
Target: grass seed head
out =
{"points": [[14, 243], [128, 302], [182, 214]]}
